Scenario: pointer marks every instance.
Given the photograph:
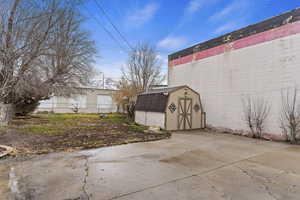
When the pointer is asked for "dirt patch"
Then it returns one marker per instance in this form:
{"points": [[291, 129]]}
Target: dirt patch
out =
{"points": [[45, 133]]}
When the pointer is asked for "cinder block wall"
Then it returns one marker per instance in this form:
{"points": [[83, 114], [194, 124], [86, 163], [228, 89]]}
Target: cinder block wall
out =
{"points": [[266, 65]]}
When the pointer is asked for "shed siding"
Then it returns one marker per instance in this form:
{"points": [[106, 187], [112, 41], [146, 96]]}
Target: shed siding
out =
{"points": [[259, 70], [150, 118]]}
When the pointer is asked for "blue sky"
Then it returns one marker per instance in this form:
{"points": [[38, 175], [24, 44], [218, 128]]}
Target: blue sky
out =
{"points": [[169, 25]]}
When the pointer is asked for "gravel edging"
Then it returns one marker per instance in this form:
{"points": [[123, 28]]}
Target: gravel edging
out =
{"points": [[8, 150]]}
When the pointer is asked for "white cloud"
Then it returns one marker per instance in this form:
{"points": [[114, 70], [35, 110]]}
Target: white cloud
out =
{"points": [[227, 27], [234, 13], [142, 15], [235, 6], [193, 6], [172, 42]]}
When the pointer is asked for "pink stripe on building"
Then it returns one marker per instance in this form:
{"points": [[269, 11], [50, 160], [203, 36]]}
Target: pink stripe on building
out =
{"points": [[283, 31]]}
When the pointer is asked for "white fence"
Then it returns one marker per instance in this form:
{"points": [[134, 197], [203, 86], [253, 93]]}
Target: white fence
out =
{"points": [[75, 107]]}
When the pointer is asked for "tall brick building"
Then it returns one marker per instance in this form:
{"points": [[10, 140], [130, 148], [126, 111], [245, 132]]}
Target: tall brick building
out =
{"points": [[259, 60]]}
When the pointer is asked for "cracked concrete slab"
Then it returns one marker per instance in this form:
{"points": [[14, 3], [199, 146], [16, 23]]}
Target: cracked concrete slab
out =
{"points": [[85, 179], [189, 166]]}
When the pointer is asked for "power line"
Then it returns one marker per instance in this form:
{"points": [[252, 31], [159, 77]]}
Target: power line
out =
{"points": [[111, 22], [106, 30]]}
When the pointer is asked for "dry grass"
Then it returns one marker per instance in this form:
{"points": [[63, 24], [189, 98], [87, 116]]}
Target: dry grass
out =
{"points": [[44, 133]]}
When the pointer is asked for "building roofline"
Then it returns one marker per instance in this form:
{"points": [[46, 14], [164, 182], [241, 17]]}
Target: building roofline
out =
{"points": [[94, 88], [268, 24]]}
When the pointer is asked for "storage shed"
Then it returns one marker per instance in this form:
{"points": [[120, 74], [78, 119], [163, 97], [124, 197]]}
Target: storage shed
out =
{"points": [[175, 108]]}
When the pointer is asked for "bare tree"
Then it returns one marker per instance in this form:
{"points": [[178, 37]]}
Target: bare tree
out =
{"points": [[290, 114], [256, 111], [125, 94], [99, 80], [110, 83], [143, 68], [43, 50]]}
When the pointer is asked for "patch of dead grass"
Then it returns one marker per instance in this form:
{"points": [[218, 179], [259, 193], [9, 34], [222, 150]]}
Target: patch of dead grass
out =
{"points": [[45, 133], [36, 129]]}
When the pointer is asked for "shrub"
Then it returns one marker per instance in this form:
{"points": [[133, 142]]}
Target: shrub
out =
{"points": [[25, 107]]}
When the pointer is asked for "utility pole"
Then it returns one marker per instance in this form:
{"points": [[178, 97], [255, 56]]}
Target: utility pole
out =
{"points": [[103, 81]]}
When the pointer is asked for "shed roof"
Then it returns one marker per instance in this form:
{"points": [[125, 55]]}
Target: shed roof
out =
{"points": [[163, 90], [155, 100]]}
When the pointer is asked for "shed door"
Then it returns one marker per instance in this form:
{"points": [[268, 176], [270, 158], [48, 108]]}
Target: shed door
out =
{"points": [[185, 113]]}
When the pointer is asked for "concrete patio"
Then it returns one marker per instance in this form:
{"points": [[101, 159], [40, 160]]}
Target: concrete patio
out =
{"points": [[189, 166]]}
